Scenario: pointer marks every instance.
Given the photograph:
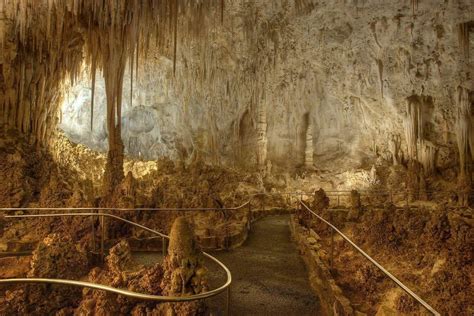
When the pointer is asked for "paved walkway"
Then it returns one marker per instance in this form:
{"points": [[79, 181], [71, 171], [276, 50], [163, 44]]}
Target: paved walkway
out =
{"points": [[269, 276]]}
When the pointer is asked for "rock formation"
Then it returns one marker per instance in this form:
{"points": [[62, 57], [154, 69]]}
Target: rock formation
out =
{"points": [[184, 273], [56, 256]]}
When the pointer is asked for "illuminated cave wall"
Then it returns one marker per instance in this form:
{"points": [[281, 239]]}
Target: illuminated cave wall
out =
{"points": [[150, 119], [248, 91]]}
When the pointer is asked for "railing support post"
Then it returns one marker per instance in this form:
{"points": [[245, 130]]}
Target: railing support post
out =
{"points": [[331, 254], [227, 302], [163, 246], [102, 237], [250, 213], [93, 218]]}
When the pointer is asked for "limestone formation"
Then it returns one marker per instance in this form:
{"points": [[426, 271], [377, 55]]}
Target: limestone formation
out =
{"points": [[55, 257], [394, 147], [320, 200], [309, 152], [262, 138], [184, 273]]}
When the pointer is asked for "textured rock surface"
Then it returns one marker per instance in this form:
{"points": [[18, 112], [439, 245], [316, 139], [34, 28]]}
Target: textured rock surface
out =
{"points": [[353, 74], [55, 257]]}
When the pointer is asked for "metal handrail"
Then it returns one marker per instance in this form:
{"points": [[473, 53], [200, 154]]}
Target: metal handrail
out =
{"points": [[196, 209], [167, 209], [116, 290], [378, 265], [229, 279]]}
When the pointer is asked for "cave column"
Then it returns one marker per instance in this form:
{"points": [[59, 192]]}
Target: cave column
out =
{"points": [[114, 70], [309, 150], [262, 137]]}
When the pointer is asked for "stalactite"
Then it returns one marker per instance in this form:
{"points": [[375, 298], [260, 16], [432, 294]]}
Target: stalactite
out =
{"points": [[427, 152], [463, 35], [414, 6], [175, 36], [419, 149], [413, 125], [110, 32], [222, 10], [131, 79], [380, 69], [394, 148], [93, 73]]}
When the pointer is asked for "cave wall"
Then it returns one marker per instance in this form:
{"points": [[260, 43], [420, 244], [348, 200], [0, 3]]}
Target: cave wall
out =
{"points": [[246, 92], [347, 67]]}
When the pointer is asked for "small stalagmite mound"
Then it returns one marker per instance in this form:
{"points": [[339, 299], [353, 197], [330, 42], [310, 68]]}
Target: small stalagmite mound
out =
{"points": [[184, 270], [182, 244]]}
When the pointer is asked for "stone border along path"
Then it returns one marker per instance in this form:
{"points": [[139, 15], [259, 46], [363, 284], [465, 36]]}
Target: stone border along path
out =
{"points": [[269, 275]]}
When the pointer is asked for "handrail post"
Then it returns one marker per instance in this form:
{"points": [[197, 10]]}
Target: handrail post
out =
{"points": [[250, 213], [163, 246], [338, 201], [93, 232], [331, 255], [102, 237], [227, 303]]}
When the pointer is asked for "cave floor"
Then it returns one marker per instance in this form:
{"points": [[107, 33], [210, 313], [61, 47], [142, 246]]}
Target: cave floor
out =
{"points": [[269, 275]]}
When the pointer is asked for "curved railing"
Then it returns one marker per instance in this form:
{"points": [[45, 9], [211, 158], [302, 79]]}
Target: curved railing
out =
{"points": [[110, 289], [378, 265], [177, 209]]}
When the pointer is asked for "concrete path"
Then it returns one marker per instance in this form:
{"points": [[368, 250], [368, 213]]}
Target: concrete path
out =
{"points": [[269, 276]]}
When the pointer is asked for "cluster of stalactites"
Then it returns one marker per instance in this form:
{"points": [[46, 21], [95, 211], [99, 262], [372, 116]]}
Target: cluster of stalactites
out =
{"points": [[419, 148], [112, 31], [35, 66], [50, 38], [464, 128]]}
